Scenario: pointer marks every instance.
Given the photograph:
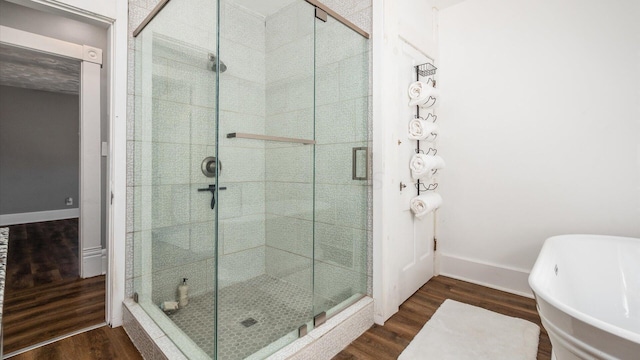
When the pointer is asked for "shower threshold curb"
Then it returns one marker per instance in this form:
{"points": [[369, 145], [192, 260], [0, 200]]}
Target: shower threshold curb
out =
{"points": [[322, 343], [330, 338]]}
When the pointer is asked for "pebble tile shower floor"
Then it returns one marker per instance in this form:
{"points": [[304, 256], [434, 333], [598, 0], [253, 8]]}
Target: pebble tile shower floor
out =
{"points": [[278, 307]]}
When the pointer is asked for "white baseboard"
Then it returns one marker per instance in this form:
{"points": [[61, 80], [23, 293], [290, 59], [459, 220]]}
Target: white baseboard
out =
{"points": [[104, 261], [495, 276], [39, 216], [92, 262]]}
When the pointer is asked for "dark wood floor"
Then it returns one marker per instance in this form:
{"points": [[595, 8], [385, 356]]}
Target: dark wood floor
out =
{"points": [[388, 341], [42, 253], [44, 297], [103, 343]]}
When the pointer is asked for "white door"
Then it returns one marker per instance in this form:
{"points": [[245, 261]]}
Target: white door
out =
{"points": [[415, 257]]}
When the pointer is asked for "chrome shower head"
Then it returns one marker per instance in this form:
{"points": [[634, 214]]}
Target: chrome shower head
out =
{"points": [[214, 65]]}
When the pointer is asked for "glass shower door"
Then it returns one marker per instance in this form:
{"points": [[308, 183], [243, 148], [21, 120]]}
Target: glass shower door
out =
{"points": [[266, 132], [342, 173], [174, 223]]}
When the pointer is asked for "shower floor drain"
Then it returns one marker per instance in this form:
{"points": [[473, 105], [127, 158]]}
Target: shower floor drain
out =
{"points": [[249, 322]]}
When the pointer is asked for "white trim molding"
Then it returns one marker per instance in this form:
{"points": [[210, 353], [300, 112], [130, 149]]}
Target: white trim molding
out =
{"points": [[38, 216], [495, 276], [91, 205], [105, 263], [49, 45], [117, 187], [92, 261]]}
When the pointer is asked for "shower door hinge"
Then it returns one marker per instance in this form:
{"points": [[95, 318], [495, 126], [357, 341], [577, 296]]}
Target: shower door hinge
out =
{"points": [[302, 330], [435, 244], [321, 14], [319, 319]]}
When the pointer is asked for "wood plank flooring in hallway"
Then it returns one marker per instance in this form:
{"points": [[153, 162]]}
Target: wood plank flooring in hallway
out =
{"points": [[103, 343], [388, 341], [44, 297]]}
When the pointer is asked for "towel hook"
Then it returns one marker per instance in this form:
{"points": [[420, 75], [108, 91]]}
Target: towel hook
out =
{"points": [[419, 151], [427, 102], [424, 187]]}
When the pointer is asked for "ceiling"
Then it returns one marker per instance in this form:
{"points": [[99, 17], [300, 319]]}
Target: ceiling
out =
{"points": [[263, 8], [266, 8], [443, 4], [38, 71]]}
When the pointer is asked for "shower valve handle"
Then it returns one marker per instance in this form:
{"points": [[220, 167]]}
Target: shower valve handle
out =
{"points": [[212, 189]]}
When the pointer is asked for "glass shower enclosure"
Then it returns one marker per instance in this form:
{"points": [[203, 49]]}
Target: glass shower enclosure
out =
{"points": [[251, 174]]}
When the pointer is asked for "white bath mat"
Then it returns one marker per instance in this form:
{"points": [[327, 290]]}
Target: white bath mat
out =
{"points": [[460, 331]]}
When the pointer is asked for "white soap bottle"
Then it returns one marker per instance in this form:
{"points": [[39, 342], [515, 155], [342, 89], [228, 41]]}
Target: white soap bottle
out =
{"points": [[183, 293]]}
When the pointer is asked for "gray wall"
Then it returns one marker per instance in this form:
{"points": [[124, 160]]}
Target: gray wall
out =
{"points": [[39, 150], [46, 24]]}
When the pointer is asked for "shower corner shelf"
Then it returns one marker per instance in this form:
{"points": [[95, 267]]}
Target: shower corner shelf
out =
{"points": [[426, 69]]}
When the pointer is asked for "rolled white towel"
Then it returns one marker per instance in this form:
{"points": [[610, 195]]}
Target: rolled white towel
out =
{"points": [[423, 94], [416, 90], [422, 166], [423, 204], [420, 129]]}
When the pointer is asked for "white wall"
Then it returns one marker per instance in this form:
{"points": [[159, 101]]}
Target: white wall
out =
{"points": [[541, 130]]}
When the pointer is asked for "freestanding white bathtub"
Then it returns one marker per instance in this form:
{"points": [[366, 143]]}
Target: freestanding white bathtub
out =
{"points": [[587, 289]]}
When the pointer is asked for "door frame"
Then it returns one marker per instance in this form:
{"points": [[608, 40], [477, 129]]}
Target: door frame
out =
{"points": [[113, 14], [90, 219]]}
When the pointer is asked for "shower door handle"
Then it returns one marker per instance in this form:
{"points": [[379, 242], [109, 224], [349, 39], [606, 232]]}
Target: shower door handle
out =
{"points": [[212, 189], [354, 163]]}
